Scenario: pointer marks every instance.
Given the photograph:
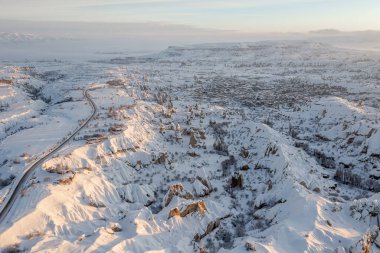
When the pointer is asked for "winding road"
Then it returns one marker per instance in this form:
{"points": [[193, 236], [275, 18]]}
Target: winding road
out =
{"points": [[19, 184]]}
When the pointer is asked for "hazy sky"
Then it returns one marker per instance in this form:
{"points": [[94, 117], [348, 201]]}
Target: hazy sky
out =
{"points": [[242, 15]]}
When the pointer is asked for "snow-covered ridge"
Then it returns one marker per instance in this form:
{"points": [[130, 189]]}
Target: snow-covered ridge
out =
{"points": [[266, 147]]}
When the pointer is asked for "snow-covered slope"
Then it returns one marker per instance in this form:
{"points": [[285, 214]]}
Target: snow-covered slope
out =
{"points": [[266, 147]]}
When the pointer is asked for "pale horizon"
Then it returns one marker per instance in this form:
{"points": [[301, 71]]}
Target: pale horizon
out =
{"points": [[241, 16]]}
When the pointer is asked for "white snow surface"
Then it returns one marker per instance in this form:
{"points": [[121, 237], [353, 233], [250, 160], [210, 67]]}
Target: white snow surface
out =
{"points": [[272, 146]]}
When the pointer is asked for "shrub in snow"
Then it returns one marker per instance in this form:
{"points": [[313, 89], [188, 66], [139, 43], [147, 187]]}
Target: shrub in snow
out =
{"points": [[323, 160], [268, 122], [271, 150], [303, 145], [346, 176], [218, 128], [259, 166], [210, 246], [225, 236], [238, 222]]}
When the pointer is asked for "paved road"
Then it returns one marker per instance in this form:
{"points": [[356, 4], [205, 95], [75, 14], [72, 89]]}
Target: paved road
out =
{"points": [[17, 188]]}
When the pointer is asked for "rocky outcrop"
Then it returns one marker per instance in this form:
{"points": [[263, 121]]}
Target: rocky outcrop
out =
{"points": [[58, 168], [197, 207], [237, 180], [210, 227], [115, 227], [202, 186], [116, 82], [162, 159], [176, 190], [244, 152], [193, 140]]}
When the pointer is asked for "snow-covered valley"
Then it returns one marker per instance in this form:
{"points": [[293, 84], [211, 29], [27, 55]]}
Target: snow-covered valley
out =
{"points": [[261, 147]]}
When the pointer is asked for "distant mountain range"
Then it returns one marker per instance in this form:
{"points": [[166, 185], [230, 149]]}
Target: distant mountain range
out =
{"points": [[17, 37]]}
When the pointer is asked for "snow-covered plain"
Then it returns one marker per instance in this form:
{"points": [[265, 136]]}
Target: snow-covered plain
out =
{"points": [[265, 147]]}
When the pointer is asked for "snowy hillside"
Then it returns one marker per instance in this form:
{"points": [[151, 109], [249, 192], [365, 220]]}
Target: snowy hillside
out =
{"points": [[249, 147]]}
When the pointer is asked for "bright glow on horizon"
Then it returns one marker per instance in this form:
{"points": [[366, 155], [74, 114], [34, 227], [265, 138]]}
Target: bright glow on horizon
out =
{"points": [[241, 15]]}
